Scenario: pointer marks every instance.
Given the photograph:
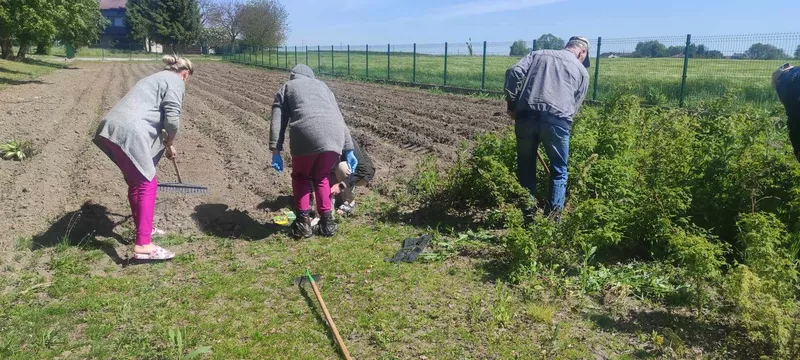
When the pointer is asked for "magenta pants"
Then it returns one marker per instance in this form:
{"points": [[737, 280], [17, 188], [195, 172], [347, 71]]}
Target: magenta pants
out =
{"points": [[141, 194], [313, 170]]}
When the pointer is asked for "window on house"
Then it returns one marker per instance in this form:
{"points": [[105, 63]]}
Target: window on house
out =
{"points": [[119, 22]]}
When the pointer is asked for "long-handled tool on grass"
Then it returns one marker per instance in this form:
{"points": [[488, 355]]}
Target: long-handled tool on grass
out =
{"points": [[180, 187], [312, 279]]}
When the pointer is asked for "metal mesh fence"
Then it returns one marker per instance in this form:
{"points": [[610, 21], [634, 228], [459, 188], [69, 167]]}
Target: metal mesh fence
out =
{"points": [[667, 70]]}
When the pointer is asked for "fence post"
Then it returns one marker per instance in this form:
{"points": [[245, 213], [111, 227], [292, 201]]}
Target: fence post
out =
{"points": [[445, 64], [388, 61], [333, 67], [286, 56], [306, 54], [414, 68], [319, 59], [534, 45], [685, 68], [367, 61], [295, 54], [348, 60], [277, 57], [483, 73], [596, 68]]}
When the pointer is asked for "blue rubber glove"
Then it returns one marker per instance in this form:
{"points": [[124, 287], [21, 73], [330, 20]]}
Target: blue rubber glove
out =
{"points": [[352, 162], [277, 162]]}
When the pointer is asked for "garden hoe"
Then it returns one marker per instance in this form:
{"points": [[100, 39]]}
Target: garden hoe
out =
{"points": [[180, 187], [312, 279]]}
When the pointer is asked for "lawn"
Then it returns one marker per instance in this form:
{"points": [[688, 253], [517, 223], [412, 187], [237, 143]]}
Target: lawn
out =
{"points": [[18, 73], [658, 81], [237, 298]]}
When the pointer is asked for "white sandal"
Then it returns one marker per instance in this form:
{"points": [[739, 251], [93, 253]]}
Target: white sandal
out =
{"points": [[158, 253]]}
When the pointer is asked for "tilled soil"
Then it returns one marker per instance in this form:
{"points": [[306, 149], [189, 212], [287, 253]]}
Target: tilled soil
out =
{"points": [[223, 144]]}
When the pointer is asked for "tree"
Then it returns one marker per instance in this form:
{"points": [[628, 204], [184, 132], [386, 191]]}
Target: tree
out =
{"points": [[213, 37], [138, 22], [79, 22], [679, 50], [651, 48], [5, 30], [228, 16], [549, 41], [797, 52], [28, 21], [175, 23], [704, 53], [761, 51], [264, 23], [519, 48], [675, 50]]}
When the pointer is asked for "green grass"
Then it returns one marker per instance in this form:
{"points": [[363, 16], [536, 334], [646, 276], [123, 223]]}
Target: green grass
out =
{"points": [[18, 73], [656, 80], [237, 297]]}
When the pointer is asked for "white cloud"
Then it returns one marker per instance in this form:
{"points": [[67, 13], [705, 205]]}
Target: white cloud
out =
{"points": [[482, 7]]}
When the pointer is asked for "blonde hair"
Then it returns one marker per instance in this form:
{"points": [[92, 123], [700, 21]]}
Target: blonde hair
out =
{"points": [[177, 64]]}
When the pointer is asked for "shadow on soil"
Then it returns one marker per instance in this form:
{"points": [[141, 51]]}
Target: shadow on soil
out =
{"points": [[281, 202], [221, 221], [82, 227], [686, 330]]}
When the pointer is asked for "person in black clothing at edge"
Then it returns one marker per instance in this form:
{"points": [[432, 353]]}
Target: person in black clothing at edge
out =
{"points": [[343, 182], [786, 81]]}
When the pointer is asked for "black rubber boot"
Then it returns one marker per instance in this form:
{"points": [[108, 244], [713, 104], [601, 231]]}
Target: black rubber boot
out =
{"points": [[327, 226], [301, 227]]}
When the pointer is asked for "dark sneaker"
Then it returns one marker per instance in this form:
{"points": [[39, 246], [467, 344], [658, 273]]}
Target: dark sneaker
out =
{"points": [[301, 227], [327, 226]]}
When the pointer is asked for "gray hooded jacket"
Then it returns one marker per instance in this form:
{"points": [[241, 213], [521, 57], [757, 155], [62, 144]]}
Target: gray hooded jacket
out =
{"points": [[310, 110]]}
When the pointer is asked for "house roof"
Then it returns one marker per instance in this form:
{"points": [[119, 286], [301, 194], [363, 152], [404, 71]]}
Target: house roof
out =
{"points": [[112, 4]]}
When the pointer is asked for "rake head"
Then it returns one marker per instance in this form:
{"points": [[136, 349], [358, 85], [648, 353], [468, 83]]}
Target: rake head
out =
{"points": [[300, 281], [182, 188]]}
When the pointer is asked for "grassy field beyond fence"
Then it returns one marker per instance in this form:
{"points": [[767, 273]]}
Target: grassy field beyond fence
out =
{"points": [[657, 80]]}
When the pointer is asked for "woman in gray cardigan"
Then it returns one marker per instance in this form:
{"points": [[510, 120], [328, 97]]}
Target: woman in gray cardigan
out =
{"points": [[130, 135]]}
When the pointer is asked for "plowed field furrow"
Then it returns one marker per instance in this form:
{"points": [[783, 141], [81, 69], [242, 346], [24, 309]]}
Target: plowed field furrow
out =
{"points": [[243, 90], [40, 189], [36, 120], [223, 143], [93, 170], [246, 152], [251, 124]]}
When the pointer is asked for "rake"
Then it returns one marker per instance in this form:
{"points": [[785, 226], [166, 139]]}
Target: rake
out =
{"points": [[180, 187]]}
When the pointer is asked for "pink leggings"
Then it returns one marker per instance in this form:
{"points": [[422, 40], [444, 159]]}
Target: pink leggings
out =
{"points": [[141, 194], [313, 169]]}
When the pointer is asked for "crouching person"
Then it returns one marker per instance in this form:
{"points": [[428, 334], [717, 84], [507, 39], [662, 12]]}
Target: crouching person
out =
{"points": [[318, 134], [344, 181]]}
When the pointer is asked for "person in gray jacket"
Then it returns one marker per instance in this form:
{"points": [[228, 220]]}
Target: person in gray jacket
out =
{"points": [[544, 91], [130, 135], [318, 134]]}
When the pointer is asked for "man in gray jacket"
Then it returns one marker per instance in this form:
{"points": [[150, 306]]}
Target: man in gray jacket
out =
{"points": [[544, 91]]}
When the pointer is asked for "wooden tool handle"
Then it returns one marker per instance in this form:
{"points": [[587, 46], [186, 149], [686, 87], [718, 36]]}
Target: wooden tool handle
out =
{"points": [[330, 322], [176, 170], [544, 164], [174, 164]]}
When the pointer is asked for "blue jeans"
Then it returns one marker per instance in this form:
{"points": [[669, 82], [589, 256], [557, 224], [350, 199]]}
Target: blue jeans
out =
{"points": [[553, 133]]}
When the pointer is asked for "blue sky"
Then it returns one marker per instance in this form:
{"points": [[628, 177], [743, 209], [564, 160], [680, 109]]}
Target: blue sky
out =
{"points": [[335, 22]]}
